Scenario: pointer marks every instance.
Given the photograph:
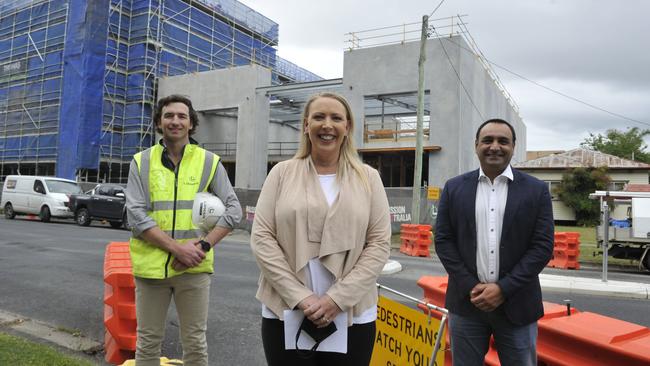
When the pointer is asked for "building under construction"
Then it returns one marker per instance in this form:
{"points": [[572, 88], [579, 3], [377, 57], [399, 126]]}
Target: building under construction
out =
{"points": [[255, 123], [78, 78]]}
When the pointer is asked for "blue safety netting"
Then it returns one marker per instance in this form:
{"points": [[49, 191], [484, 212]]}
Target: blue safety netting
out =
{"points": [[7, 6], [32, 35], [78, 77], [83, 80]]}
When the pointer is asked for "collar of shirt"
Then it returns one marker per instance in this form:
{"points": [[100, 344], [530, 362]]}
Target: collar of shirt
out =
{"points": [[166, 160], [507, 173], [192, 141]]}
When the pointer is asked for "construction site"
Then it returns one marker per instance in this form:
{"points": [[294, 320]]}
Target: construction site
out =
{"points": [[78, 78], [254, 123]]}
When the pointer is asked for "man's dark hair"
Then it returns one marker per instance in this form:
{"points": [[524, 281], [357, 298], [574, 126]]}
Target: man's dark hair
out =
{"points": [[175, 98], [497, 120]]}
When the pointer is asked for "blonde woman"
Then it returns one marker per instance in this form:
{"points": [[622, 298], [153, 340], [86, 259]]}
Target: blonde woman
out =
{"points": [[321, 237]]}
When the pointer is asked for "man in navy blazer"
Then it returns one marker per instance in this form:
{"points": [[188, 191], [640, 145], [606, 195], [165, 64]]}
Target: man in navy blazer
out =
{"points": [[494, 235]]}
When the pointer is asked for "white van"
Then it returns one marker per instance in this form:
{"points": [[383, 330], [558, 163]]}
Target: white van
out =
{"points": [[43, 196]]}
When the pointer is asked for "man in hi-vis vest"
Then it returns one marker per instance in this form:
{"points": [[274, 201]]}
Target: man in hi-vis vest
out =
{"points": [[170, 259]]}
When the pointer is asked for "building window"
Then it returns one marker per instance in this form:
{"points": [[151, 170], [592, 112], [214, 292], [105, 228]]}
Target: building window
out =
{"points": [[393, 117], [553, 185], [617, 185]]}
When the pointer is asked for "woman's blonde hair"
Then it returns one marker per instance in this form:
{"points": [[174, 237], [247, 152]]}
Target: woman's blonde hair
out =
{"points": [[348, 156]]}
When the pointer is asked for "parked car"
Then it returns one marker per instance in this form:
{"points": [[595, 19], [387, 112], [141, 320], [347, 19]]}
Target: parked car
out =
{"points": [[104, 202], [46, 197]]}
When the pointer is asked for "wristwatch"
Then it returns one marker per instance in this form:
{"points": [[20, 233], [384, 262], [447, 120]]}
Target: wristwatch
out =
{"points": [[205, 246]]}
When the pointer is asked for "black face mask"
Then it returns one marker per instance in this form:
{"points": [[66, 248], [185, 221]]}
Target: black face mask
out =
{"points": [[317, 334]]}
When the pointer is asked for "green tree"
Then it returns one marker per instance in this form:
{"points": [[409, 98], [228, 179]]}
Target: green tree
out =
{"points": [[574, 190], [627, 144]]}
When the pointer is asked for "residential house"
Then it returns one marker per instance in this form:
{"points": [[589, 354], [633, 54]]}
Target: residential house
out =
{"points": [[551, 167]]}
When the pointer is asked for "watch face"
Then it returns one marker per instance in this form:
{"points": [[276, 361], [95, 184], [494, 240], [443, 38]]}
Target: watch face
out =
{"points": [[205, 245]]}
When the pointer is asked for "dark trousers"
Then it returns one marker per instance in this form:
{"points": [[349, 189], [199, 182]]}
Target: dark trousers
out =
{"points": [[361, 339], [470, 339]]}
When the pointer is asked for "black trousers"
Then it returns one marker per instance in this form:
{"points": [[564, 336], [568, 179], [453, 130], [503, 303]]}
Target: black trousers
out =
{"points": [[361, 339]]}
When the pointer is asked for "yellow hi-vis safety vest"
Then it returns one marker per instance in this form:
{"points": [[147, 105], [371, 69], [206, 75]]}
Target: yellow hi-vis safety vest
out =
{"points": [[170, 196]]}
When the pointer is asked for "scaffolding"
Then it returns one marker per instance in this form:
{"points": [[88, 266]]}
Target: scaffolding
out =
{"points": [[81, 106], [32, 39]]}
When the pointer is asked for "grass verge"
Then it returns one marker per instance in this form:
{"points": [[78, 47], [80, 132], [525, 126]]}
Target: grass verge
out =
{"points": [[18, 351]]}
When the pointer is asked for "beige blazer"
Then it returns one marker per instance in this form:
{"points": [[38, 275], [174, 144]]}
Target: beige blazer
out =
{"points": [[293, 223]]}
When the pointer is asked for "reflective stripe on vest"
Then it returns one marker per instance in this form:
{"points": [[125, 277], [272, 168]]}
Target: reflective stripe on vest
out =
{"points": [[169, 201]]}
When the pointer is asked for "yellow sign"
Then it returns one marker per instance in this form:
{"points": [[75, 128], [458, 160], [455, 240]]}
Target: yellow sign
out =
{"points": [[405, 336], [433, 193]]}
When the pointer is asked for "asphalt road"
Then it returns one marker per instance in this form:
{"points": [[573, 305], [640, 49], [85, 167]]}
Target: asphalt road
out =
{"points": [[53, 272]]}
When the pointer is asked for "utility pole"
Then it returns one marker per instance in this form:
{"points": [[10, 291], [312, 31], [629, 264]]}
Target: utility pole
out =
{"points": [[417, 171]]}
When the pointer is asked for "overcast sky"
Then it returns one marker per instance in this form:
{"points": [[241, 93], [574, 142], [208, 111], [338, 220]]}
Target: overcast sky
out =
{"points": [[596, 51]]}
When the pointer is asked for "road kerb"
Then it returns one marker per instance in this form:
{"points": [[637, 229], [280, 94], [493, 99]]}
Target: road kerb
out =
{"points": [[47, 332]]}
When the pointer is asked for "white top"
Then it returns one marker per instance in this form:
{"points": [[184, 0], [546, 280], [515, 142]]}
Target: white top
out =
{"points": [[491, 200], [318, 278]]}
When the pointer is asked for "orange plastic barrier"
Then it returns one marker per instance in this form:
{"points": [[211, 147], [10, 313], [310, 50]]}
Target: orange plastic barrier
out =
{"points": [[586, 338], [566, 251], [119, 304], [435, 289], [416, 240], [576, 339]]}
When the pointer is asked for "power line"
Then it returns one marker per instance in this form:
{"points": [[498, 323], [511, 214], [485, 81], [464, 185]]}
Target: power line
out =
{"points": [[551, 89], [457, 74], [568, 96], [434, 10]]}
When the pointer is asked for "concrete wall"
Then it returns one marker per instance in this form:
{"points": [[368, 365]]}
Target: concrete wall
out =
{"points": [[213, 128], [489, 100], [231, 88], [280, 133], [454, 118]]}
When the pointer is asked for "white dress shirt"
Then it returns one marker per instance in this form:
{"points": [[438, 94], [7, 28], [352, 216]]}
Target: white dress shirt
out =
{"points": [[491, 200]]}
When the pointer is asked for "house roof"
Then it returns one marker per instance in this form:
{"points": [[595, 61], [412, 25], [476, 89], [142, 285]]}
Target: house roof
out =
{"points": [[581, 158], [535, 154], [637, 187]]}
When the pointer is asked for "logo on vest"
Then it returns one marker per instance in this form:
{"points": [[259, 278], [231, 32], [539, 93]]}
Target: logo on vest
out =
{"points": [[192, 180]]}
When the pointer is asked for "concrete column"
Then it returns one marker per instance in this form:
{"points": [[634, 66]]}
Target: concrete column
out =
{"points": [[252, 141]]}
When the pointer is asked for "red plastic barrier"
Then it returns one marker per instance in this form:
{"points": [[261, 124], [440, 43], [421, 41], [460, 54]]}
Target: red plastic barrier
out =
{"points": [[586, 338], [119, 304], [566, 251], [435, 289], [581, 338], [407, 234], [114, 354], [415, 240]]}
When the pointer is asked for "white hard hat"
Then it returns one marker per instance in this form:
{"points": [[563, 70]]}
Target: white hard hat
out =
{"points": [[206, 211]]}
